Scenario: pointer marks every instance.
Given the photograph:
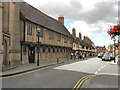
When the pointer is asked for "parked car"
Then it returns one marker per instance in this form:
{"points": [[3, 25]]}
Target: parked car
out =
{"points": [[118, 60], [106, 57], [100, 55]]}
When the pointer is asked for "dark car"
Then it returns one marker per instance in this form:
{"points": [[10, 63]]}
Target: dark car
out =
{"points": [[100, 55]]}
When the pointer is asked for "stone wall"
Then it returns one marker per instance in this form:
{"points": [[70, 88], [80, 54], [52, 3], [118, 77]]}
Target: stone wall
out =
{"points": [[1, 56], [14, 32]]}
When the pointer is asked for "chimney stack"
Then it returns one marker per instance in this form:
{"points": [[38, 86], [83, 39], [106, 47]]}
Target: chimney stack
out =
{"points": [[74, 32], [84, 39], [61, 19], [80, 36]]}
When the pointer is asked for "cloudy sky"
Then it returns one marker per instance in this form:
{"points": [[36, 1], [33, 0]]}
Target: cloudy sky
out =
{"points": [[90, 17]]}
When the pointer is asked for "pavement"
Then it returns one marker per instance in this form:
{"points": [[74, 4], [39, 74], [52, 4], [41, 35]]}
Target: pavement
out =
{"points": [[112, 62]]}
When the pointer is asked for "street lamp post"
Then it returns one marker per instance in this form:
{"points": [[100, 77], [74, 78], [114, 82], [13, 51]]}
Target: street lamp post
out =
{"points": [[114, 50], [38, 30]]}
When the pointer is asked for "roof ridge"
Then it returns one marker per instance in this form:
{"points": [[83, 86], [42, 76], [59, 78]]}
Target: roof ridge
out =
{"points": [[41, 11]]}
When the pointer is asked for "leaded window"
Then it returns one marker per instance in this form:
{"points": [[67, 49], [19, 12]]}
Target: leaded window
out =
{"points": [[59, 37], [82, 47], [51, 35], [57, 50], [65, 39], [48, 49], [53, 50], [29, 28], [43, 49]]}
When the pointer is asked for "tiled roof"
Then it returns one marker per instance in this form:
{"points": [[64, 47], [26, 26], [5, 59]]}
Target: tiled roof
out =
{"points": [[36, 16], [83, 43]]}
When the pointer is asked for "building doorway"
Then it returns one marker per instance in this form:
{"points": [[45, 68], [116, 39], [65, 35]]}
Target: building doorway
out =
{"points": [[31, 54], [5, 55]]}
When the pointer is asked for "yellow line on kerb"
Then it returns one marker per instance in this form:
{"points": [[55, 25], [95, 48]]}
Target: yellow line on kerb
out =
{"points": [[25, 73]]}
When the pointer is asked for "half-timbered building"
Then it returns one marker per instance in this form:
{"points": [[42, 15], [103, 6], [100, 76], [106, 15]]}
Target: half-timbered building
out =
{"points": [[20, 22]]}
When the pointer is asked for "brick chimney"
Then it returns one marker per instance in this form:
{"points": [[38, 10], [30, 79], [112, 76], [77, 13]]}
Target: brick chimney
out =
{"points": [[84, 38], [61, 19], [80, 36], [74, 32]]}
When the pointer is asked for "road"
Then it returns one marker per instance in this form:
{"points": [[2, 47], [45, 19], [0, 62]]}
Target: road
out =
{"points": [[71, 75]]}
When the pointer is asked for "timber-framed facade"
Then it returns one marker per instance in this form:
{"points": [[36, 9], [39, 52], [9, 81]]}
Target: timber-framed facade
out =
{"points": [[20, 39]]}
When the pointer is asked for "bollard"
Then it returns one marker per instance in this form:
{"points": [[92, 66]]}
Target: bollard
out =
{"points": [[67, 59], [9, 63], [57, 60]]}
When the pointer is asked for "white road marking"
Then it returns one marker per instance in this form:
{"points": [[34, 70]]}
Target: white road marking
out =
{"points": [[89, 67], [96, 72], [100, 69]]}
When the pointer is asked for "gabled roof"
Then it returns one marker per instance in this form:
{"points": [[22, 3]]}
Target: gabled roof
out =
{"points": [[36, 16], [83, 43]]}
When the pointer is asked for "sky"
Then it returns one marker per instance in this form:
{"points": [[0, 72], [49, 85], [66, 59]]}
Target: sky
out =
{"points": [[90, 17]]}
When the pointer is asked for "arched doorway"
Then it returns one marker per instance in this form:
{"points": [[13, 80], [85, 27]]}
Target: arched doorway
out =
{"points": [[5, 52]]}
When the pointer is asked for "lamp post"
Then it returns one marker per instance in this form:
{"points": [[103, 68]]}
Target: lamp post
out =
{"points": [[38, 49], [114, 50]]}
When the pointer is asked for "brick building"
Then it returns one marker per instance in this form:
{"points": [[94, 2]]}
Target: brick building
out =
{"points": [[19, 29], [100, 49], [85, 46], [111, 48]]}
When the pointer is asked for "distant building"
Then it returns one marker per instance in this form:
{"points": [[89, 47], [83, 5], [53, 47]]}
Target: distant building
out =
{"points": [[85, 46], [111, 48], [100, 49]]}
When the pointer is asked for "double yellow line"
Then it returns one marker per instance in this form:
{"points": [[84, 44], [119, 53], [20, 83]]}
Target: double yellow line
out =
{"points": [[81, 81]]}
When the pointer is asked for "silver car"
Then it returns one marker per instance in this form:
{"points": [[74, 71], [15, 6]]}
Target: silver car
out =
{"points": [[106, 57], [118, 59]]}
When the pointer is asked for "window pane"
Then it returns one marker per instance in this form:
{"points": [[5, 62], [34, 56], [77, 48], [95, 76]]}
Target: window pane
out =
{"points": [[43, 49], [65, 39], [57, 50], [48, 49], [59, 37], [53, 50], [51, 34], [29, 28]]}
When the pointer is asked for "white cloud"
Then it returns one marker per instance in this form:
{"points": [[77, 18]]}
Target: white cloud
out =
{"points": [[91, 30], [102, 42], [90, 17], [84, 28]]}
